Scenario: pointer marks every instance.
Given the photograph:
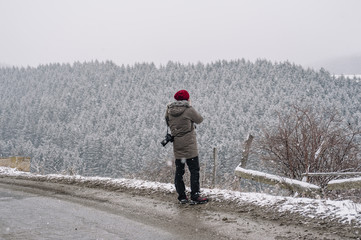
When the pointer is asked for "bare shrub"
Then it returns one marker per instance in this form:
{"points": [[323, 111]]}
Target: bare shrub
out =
{"points": [[311, 141]]}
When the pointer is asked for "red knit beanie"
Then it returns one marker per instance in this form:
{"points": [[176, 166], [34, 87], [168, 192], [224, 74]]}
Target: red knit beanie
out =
{"points": [[181, 95]]}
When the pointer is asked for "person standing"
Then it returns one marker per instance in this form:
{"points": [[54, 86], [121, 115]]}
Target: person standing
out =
{"points": [[181, 117]]}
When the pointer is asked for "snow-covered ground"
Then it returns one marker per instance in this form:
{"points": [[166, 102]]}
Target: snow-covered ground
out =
{"points": [[345, 211]]}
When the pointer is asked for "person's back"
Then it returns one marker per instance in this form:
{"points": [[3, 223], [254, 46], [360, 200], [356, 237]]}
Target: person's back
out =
{"points": [[181, 117]]}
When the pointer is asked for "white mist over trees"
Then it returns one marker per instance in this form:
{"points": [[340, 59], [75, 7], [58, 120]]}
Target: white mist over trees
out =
{"points": [[97, 118]]}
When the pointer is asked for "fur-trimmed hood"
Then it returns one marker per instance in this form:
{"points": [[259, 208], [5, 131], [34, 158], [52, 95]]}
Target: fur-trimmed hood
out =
{"points": [[176, 109]]}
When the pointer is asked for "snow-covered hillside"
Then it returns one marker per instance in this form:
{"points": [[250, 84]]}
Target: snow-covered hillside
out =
{"points": [[100, 119]]}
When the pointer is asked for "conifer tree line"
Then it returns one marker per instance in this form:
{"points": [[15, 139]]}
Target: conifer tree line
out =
{"points": [[98, 118]]}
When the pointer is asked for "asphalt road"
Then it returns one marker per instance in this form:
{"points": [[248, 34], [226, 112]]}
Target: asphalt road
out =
{"points": [[25, 215], [44, 210]]}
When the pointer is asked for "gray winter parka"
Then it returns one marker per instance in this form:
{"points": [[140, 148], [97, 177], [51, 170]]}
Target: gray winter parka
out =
{"points": [[180, 118]]}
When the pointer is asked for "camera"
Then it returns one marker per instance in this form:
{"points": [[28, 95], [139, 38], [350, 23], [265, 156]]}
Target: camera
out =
{"points": [[168, 138]]}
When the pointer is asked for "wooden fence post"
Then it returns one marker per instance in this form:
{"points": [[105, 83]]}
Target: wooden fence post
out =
{"points": [[204, 173], [246, 150], [214, 166]]}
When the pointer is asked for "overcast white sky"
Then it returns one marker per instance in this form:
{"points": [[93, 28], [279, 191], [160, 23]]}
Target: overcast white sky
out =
{"points": [[37, 32]]}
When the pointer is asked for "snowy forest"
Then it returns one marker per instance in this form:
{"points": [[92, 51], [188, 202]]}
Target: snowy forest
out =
{"points": [[101, 119]]}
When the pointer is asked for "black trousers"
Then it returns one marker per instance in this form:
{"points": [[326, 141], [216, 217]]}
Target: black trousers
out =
{"points": [[193, 166]]}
